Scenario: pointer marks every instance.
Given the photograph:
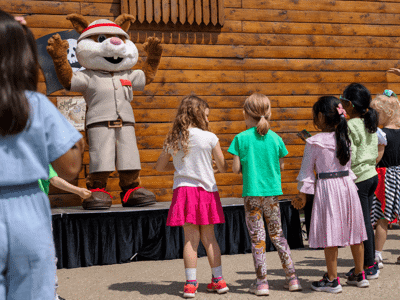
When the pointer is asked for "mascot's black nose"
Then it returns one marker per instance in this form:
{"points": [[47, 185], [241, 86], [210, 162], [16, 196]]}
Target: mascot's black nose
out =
{"points": [[113, 60]]}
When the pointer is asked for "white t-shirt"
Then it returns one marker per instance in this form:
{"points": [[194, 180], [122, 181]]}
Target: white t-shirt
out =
{"points": [[196, 169]]}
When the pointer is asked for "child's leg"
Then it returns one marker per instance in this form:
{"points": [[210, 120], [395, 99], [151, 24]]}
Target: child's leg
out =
{"points": [[358, 256], [331, 255], [272, 215], [381, 234], [210, 243], [255, 226], [192, 238]]}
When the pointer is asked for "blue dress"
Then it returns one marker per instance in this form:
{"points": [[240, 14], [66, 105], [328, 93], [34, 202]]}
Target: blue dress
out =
{"points": [[27, 255]]}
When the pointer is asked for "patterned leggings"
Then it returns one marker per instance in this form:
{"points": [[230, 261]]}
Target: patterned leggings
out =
{"points": [[255, 208]]}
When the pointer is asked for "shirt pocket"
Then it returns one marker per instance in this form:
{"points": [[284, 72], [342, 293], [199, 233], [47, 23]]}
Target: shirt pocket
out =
{"points": [[127, 87]]}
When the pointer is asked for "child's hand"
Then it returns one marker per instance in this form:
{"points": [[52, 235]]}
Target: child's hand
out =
{"points": [[394, 71], [85, 193], [300, 201], [215, 168]]}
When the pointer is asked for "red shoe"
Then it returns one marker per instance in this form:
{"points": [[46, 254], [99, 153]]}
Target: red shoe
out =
{"points": [[219, 287], [190, 290]]}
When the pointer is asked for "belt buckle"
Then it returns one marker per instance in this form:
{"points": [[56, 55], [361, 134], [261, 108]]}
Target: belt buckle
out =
{"points": [[115, 124]]}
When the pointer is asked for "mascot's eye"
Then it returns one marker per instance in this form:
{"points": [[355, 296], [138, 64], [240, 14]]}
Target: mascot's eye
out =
{"points": [[101, 38]]}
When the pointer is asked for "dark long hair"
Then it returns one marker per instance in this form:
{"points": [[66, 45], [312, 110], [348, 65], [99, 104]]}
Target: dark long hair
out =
{"points": [[327, 106], [360, 97], [18, 73]]}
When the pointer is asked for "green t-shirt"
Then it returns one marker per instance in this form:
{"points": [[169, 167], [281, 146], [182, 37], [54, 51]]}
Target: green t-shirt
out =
{"points": [[259, 157], [44, 184], [364, 150]]}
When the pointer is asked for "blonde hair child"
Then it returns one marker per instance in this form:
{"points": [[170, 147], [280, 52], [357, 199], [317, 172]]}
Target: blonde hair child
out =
{"points": [[195, 205], [386, 203], [258, 154]]}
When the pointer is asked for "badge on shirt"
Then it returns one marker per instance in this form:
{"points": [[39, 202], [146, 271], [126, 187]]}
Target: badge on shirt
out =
{"points": [[125, 82]]}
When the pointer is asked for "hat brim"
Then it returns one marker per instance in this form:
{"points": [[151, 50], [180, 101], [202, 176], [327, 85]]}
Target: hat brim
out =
{"points": [[103, 30]]}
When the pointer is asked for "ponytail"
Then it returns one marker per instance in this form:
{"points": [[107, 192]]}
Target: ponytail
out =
{"points": [[263, 126], [342, 141], [371, 120], [258, 107]]}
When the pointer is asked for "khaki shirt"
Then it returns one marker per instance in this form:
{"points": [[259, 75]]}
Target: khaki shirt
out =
{"points": [[108, 96]]}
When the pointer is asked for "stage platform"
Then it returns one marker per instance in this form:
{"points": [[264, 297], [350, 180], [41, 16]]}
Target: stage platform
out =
{"points": [[118, 235]]}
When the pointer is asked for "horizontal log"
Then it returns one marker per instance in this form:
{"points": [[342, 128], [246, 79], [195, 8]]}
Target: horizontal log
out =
{"points": [[154, 102], [321, 29], [232, 114], [40, 7], [256, 39], [361, 53], [324, 5], [309, 16], [100, 9]]}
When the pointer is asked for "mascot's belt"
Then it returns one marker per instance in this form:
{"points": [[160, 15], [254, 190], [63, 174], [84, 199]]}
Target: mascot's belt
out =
{"points": [[111, 124]]}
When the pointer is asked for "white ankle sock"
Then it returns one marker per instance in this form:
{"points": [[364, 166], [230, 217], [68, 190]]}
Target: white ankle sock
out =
{"points": [[216, 272], [190, 274]]}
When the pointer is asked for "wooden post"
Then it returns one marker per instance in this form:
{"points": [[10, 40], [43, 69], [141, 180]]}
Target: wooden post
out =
{"points": [[149, 10], [198, 10], [221, 12], [165, 11], [174, 11], [214, 12], [182, 11], [124, 7], [141, 10], [133, 8], [206, 11], [190, 11], [157, 11]]}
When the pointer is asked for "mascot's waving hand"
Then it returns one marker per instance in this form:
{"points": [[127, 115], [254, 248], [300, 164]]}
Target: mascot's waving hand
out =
{"points": [[107, 54]]}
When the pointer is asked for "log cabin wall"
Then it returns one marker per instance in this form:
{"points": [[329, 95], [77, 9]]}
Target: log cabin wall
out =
{"points": [[291, 50]]}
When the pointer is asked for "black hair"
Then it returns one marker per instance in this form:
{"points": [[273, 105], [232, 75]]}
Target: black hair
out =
{"points": [[327, 106], [360, 97], [18, 73]]}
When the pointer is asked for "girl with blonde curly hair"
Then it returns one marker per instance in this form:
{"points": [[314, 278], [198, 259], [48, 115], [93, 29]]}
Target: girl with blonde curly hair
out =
{"points": [[195, 205]]}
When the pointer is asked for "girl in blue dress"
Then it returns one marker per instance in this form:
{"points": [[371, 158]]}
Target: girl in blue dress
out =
{"points": [[32, 134]]}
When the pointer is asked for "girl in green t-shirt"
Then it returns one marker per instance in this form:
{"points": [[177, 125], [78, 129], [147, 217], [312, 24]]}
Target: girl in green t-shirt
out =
{"points": [[257, 154], [363, 125]]}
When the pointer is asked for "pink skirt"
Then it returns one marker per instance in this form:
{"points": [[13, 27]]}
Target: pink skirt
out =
{"points": [[196, 206]]}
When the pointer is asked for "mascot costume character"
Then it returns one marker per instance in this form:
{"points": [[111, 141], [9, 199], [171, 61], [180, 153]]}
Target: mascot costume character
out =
{"points": [[107, 54]]}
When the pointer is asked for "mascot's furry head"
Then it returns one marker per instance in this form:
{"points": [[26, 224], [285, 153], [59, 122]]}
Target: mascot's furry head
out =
{"points": [[105, 46]]}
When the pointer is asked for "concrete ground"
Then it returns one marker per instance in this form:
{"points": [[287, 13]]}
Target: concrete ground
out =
{"points": [[165, 279]]}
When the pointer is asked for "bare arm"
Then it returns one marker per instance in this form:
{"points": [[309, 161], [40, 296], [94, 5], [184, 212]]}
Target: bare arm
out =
{"points": [[163, 164], [236, 166], [381, 150], [69, 165], [66, 186], [219, 158], [281, 163]]}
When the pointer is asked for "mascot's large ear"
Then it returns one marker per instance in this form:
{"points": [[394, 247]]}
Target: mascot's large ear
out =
{"points": [[78, 21], [124, 21]]}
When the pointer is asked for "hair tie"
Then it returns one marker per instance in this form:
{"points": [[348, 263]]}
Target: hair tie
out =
{"points": [[341, 111], [262, 116]]}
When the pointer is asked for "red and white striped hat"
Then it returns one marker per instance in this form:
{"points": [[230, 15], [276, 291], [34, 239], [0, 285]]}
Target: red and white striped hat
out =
{"points": [[102, 26]]}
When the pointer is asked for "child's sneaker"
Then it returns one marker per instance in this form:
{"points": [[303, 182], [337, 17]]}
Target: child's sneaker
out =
{"points": [[379, 260], [259, 289], [217, 285], [371, 272], [292, 283], [358, 280], [190, 290], [324, 285]]}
